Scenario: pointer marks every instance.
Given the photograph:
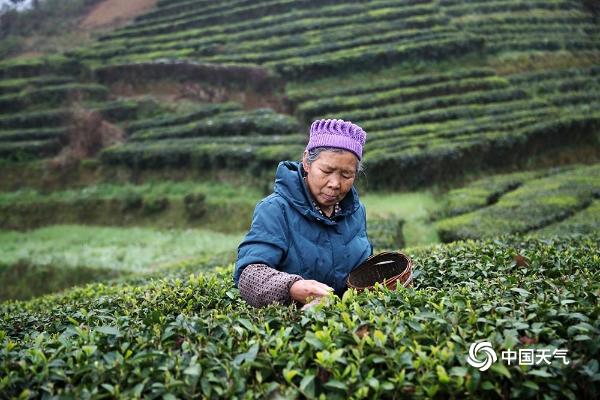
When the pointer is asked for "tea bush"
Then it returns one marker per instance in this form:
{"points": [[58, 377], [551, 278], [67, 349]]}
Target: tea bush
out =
{"points": [[585, 221], [487, 191], [386, 233], [36, 66], [225, 124], [191, 335], [426, 79], [52, 96], [303, 40], [534, 205], [222, 206], [32, 134], [8, 86], [202, 111]]}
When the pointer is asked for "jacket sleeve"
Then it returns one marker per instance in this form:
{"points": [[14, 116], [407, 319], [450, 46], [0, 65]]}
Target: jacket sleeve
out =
{"points": [[362, 206], [261, 285], [267, 239]]}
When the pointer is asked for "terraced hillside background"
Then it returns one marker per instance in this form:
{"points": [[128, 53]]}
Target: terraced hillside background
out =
{"points": [[136, 139], [439, 85]]}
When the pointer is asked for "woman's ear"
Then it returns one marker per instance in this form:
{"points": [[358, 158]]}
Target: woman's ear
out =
{"points": [[305, 161]]}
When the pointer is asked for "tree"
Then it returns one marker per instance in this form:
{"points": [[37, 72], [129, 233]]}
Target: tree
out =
{"points": [[35, 3]]}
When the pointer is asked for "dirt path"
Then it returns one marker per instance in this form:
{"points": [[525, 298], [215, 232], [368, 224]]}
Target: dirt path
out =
{"points": [[115, 13]]}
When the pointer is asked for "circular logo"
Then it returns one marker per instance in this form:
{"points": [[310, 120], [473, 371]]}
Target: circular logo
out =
{"points": [[488, 353]]}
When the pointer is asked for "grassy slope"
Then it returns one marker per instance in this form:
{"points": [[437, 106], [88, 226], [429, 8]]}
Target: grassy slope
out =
{"points": [[58, 257]]}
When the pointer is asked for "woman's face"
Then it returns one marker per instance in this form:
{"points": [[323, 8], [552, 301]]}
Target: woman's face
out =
{"points": [[330, 176]]}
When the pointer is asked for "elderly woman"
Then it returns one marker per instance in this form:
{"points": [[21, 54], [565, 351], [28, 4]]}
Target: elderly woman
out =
{"points": [[308, 235]]}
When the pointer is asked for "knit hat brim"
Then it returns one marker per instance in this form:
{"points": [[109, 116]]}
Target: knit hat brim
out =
{"points": [[336, 141]]}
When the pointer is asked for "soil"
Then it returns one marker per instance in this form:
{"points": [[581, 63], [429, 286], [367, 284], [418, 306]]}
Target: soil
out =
{"points": [[115, 13]]}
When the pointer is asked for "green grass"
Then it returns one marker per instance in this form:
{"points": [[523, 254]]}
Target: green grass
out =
{"points": [[122, 249]]}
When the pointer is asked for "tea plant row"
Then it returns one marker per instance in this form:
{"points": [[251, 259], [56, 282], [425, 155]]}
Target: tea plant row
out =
{"points": [[289, 37], [192, 335], [541, 202], [223, 207]]}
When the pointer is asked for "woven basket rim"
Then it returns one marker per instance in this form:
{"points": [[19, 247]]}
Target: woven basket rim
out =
{"points": [[405, 277]]}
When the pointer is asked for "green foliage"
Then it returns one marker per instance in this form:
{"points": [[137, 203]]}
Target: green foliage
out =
{"points": [[191, 335], [583, 222], [252, 153], [421, 126], [199, 112], [220, 206], [435, 109], [35, 66], [228, 123], [373, 99], [537, 203], [32, 134], [53, 96], [10, 44], [195, 205], [487, 191], [44, 19], [370, 82], [301, 43], [386, 234], [28, 150], [34, 119]]}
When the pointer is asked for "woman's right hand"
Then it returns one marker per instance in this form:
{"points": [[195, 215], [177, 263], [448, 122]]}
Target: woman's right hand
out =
{"points": [[307, 290]]}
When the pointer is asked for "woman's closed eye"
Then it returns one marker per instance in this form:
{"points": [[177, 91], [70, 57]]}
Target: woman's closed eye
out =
{"points": [[344, 174]]}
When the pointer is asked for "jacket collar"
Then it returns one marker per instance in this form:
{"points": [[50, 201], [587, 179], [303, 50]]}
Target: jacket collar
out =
{"points": [[289, 184]]}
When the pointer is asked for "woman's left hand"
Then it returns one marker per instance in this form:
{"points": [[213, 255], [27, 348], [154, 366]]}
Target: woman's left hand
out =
{"points": [[306, 290], [312, 303]]}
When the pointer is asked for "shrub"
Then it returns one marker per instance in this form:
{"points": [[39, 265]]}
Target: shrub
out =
{"points": [[154, 206], [534, 205], [195, 205], [190, 335]]}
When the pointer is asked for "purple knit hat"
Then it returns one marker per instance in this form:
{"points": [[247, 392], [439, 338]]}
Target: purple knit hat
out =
{"points": [[337, 133]]}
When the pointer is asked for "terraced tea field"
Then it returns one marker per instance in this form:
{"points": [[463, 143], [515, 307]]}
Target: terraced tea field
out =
{"points": [[425, 127], [301, 39], [130, 168], [545, 201], [424, 111]]}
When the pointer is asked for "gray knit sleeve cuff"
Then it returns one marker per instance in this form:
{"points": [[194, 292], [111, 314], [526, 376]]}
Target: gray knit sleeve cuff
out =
{"points": [[261, 285]]}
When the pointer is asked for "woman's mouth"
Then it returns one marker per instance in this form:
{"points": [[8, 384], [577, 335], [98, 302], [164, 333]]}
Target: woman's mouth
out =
{"points": [[328, 197]]}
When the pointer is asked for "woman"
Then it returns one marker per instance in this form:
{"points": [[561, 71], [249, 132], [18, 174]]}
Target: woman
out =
{"points": [[308, 235]]}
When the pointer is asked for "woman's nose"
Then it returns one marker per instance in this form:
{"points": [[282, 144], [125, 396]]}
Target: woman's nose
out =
{"points": [[334, 182]]}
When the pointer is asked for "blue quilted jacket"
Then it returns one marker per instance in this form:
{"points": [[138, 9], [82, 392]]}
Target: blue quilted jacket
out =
{"points": [[288, 234]]}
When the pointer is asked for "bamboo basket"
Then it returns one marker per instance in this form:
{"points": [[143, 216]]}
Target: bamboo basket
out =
{"points": [[387, 268]]}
